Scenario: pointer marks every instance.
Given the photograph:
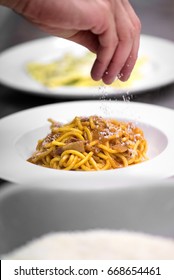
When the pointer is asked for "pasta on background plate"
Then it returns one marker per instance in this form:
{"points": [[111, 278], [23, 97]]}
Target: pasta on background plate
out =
{"points": [[72, 70], [89, 144]]}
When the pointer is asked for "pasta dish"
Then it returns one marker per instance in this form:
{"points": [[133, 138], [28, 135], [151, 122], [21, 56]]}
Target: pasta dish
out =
{"points": [[71, 70], [91, 143]]}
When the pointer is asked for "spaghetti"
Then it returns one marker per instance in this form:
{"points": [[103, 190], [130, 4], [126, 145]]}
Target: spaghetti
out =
{"points": [[91, 143]]}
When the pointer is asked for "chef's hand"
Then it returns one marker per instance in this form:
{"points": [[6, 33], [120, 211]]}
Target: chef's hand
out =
{"points": [[109, 28]]}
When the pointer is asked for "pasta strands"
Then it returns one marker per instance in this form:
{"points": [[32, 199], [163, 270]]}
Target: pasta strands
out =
{"points": [[91, 144]]}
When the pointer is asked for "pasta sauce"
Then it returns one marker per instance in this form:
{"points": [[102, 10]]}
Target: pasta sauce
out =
{"points": [[89, 144]]}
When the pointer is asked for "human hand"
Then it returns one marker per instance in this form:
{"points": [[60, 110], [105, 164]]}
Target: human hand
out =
{"points": [[109, 28]]}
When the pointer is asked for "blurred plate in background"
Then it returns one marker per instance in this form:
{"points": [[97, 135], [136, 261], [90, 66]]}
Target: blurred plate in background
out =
{"points": [[65, 69]]}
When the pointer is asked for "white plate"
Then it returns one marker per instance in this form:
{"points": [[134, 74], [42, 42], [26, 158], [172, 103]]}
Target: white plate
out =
{"points": [[21, 131], [156, 72]]}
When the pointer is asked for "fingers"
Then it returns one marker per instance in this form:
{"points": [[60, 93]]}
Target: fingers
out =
{"points": [[129, 65], [127, 28], [107, 42], [130, 62], [104, 56], [123, 60], [118, 60]]}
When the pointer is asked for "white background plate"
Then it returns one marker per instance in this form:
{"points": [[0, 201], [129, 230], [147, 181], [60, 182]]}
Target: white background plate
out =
{"points": [[21, 131], [158, 71]]}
